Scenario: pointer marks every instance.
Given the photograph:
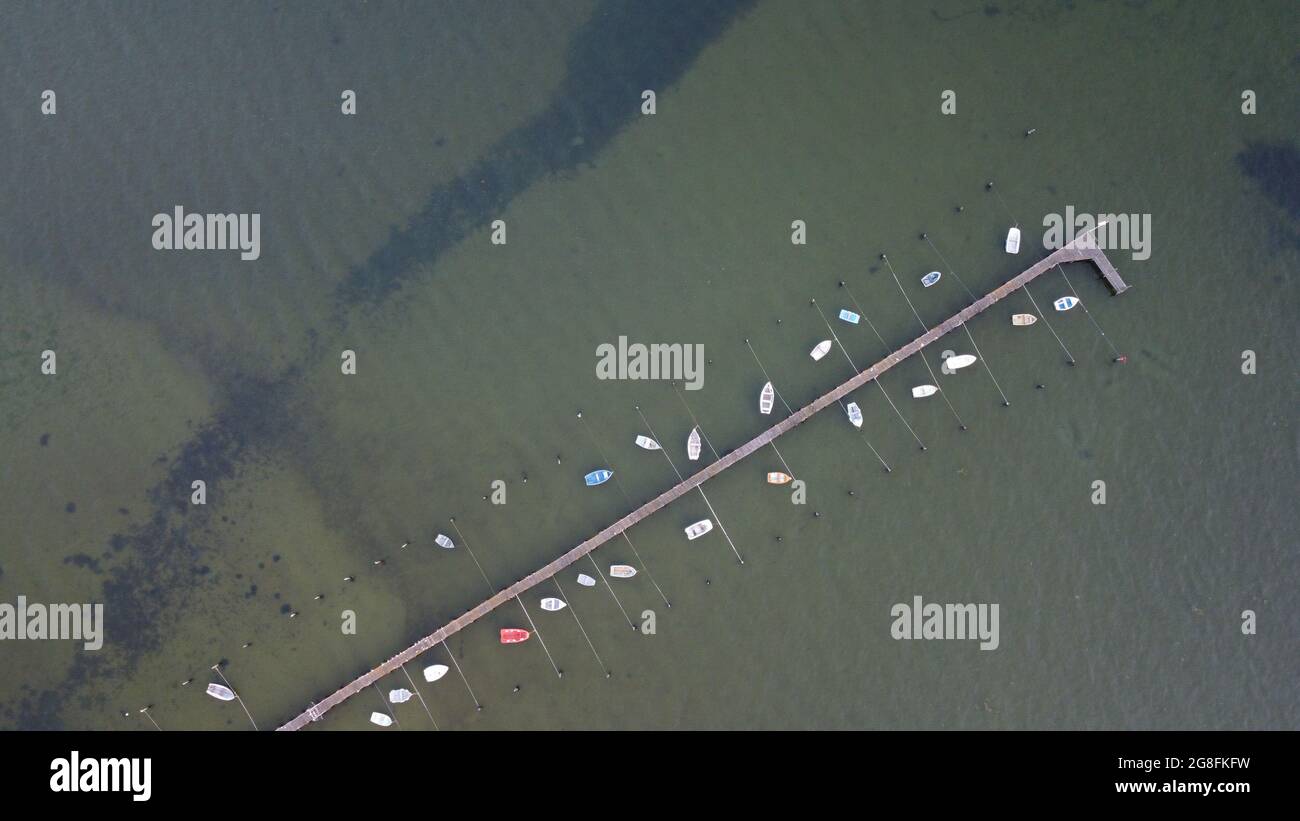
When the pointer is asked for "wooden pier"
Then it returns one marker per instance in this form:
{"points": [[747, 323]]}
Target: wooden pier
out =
{"points": [[1077, 250]]}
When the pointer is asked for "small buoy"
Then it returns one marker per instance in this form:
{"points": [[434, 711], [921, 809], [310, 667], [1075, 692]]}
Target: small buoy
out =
{"points": [[579, 414], [516, 688], [1030, 131], [1121, 359], [812, 302], [293, 615], [778, 321], [126, 714], [851, 493], [707, 582], [349, 578], [963, 427], [1040, 386], [988, 186], [404, 544], [817, 514], [318, 597], [841, 283], [1070, 363], [882, 256], [961, 208], [608, 674], [1006, 404], [187, 682], [924, 235], [378, 562], [525, 478], [485, 498], [780, 538], [478, 708], [557, 459], [708, 361], [247, 645]]}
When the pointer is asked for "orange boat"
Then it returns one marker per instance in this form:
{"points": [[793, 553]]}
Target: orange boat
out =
{"points": [[513, 635], [777, 478]]}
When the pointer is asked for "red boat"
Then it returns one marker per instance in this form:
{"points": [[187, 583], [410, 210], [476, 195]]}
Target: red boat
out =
{"points": [[513, 635]]}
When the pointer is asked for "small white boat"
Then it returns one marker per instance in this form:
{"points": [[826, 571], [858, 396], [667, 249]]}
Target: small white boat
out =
{"points": [[823, 348], [585, 580], [776, 477], [1021, 320], [765, 399], [956, 363], [1013, 241], [381, 719], [855, 414], [698, 529], [693, 444], [622, 571], [400, 696], [647, 443], [930, 278], [922, 391], [551, 605], [221, 692], [1065, 303], [444, 542], [849, 317], [435, 671]]}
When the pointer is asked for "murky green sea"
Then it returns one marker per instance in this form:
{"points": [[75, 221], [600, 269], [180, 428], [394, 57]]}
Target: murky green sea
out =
{"points": [[474, 358]]}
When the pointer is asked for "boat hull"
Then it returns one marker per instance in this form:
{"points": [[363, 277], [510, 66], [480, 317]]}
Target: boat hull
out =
{"points": [[514, 635], [597, 477], [777, 478]]}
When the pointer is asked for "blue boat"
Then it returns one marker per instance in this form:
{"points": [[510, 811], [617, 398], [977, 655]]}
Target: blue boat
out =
{"points": [[598, 477], [930, 278], [1065, 303], [848, 316]]}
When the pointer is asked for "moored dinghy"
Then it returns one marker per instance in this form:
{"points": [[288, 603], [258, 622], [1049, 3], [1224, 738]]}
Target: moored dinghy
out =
{"points": [[585, 580], [922, 391], [776, 477], [956, 363], [381, 719], [400, 695], [551, 605], [849, 317], [823, 348], [1021, 320], [444, 542], [221, 692], [1065, 303], [435, 671], [698, 529], [647, 443], [930, 279], [1013, 241], [622, 571], [855, 414], [514, 635], [766, 398], [693, 444], [597, 477]]}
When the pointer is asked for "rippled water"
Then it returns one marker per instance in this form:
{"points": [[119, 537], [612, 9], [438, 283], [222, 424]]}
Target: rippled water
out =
{"points": [[473, 359]]}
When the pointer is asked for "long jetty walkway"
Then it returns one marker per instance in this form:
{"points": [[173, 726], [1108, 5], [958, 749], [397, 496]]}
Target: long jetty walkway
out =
{"points": [[1078, 250]]}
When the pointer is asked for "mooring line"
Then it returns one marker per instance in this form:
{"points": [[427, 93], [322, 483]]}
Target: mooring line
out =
{"points": [[420, 696], [145, 712], [881, 459], [569, 602], [1006, 403], [388, 707], [682, 478], [788, 469], [477, 705], [854, 366], [611, 591], [491, 587], [1088, 313], [704, 436], [238, 697], [942, 392], [619, 484]]}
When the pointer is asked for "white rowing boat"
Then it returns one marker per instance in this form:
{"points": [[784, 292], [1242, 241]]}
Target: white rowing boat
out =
{"points": [[585, 580], [776, 477], [930, 279], [1065, 303], [765, 399], [1021, 320], [622, 571], [400, 695], [381, 719], [922, 391], [1013, 241], [823, 348], [956, 363], [435, 671], [551, 605], [444, 542], [693, 444], [221, 692], [855, 414], [698, 529], [647, 443]]}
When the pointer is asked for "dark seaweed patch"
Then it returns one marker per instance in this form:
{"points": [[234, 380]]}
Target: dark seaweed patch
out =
{"points": [[1276, 169]]}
